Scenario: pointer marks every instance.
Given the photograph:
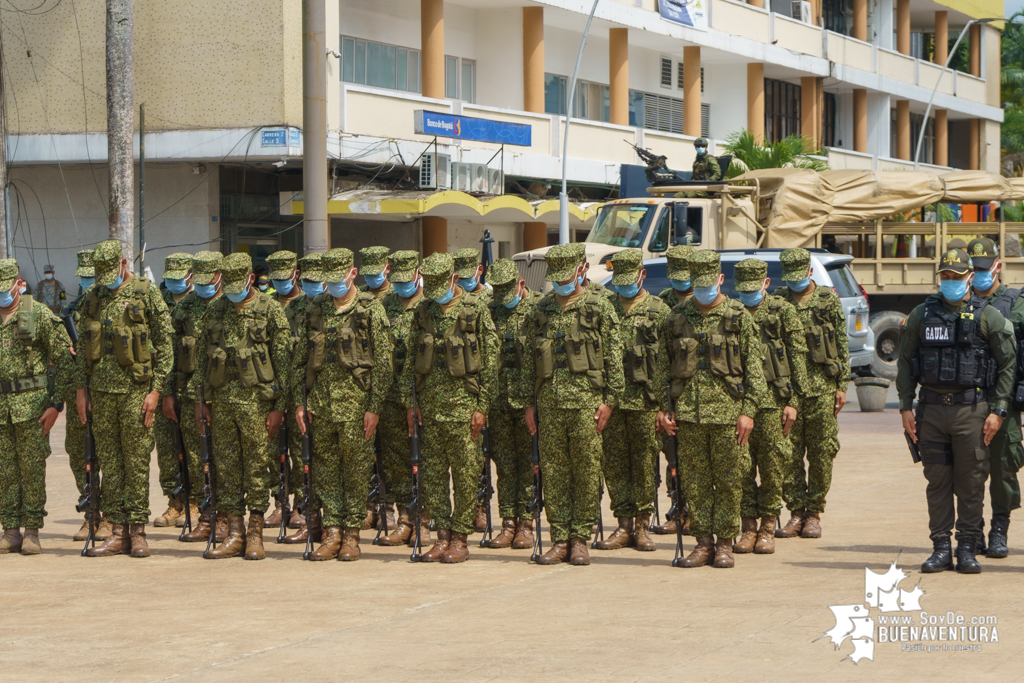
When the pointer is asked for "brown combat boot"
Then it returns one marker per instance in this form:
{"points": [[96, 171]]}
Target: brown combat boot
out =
{"points": [[273, 520], [105, 529], [748, 537], [701, 554], [330, 546], [234, 544], [458, 550], [171, 514], [424, 530], [296, 521], [200, 532], [83, 531], [506, 535], [622, 537], [793, 526], [642, 533], [193, 515], [302, 534], [30, 544], [723, 554], [11, 541], [371, 517], [524, 534], [116, 544], [435, 554], [812, 525], [579, 556], [765, 537], [254, 538], [686, 524], [480, 520], [349, 545], [401, 532], [669, 527], [137, 536], [556, 554]]}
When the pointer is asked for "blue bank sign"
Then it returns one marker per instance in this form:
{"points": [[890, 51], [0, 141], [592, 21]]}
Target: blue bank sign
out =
{"points": [[471, 128], [686, 12]]}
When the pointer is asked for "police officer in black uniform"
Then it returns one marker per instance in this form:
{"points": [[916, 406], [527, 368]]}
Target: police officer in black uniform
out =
{"points": [[961, 351]]}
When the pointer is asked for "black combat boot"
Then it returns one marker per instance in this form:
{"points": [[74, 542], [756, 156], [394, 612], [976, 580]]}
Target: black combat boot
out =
{"points": [[941, 559], [966, 563], [997, 537]]}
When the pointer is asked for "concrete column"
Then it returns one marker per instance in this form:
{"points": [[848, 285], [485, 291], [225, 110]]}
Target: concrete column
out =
{"points": [[941, 137], [860, 120], [973, 144], [691, 91], [903, 130], [974, 35], [432, 48], [333, 40], [533, 59], [810, 109], [860, 19], [903, 27], [434, 231], [941, 38], [535, 236], [755, 100], [618, 72]]}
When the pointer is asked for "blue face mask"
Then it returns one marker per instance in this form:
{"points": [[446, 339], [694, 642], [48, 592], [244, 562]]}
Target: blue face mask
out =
{"points": [[706, 295], [337, 289], [628, 291], [116, 283], [467, 283], [680, 285], [953, 291], [176, 286], [86, 282], [983, 280], [283, 287], [566, 289], [514, 302], [205, 291], [6, 299], [238, 298], [446, 298], [405, 290], [751, 299], [702, 150], [375, 281], [799, 285], [311, 289]]}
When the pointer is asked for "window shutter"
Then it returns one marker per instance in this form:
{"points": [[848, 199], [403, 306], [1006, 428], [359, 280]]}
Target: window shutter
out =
{"points": [[705, 120], [666, 72]]}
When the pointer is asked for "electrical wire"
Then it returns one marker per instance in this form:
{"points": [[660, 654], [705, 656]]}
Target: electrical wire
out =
{"points": [[85, 113], [31, 12]]}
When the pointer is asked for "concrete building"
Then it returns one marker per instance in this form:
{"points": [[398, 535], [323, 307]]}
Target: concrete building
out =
{"points": [[221, 85]]}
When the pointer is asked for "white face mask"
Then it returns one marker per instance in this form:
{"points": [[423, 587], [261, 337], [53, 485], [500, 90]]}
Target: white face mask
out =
{"points": [[48, 276]]}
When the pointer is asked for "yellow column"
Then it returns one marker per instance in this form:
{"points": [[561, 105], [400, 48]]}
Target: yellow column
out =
{"points": [[860, 120], [975, 49], [618, 71], [903, 27], [941, 137], [860, 19], [756, 3], [691, 91], [903, 130], [941, 38], [533, 59], [432, 47], [973, 145], [810, 109], [435, 234], [535, 236], [755, 100]]}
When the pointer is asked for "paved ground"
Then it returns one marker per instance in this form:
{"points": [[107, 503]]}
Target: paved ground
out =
{"points": [[629, 616]]}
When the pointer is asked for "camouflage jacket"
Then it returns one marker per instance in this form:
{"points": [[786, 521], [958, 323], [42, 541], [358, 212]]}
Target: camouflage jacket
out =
{"points": [[440, 396], [400, 319], [51, 294], [379, 295], [669, 296], [188, 317], [28, 359], [509, 324], [707, 168], [336, 394], [818, 382], [285, 302], [792, 332], [644, 352]]}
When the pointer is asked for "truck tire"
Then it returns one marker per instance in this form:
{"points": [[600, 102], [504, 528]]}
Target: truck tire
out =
{"points": [[886, 326]]}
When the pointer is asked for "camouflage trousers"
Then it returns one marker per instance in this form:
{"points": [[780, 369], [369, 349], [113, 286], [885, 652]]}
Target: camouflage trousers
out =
{"points": [[1007, 459], [190, 439], [241, 455], [570, 460], [512, 453], [711, 457], [816, 433], [342, 463], [393, 429], [166, 456], [23, 451], [630, 452], [123, 444], [766, 450], [448, 447], [74, 445]]}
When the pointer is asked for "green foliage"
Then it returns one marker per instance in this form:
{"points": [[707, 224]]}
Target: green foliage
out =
{"points": [[791, 152], [1012, 95]]}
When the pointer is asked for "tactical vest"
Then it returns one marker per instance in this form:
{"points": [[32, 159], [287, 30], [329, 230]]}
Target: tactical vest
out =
{"points": [[718, 351], [250, 361], [183, 322], [777, 368], [513, 343], [27, 331], [640, 356], [822, 347], [126, 337], [953, 354], [397, 343], [459, 350], [349, 344], [1004, 304], [579, 350]]}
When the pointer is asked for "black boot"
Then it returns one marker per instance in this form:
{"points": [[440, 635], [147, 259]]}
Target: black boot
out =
{"points": [[965, 560], [997, 537], [979, 546], [941, 559]]}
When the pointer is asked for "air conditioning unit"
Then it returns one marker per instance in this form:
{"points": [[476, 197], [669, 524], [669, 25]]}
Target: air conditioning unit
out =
{"points": [[800, 10], [435, 172], [462, 177]]}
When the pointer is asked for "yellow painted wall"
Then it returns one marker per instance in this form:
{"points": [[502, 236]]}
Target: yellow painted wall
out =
{"points": [[976, 9]]}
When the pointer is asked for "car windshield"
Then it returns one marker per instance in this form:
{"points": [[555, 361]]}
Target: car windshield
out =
{"points": [[843, 280], [622, 225]]}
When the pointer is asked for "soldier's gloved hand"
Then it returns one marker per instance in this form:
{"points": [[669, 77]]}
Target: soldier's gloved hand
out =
{"points": [[169, 411], [531, 420], [48, 418], [82, 405], [477, 423], [788, 418], [909, 424], [603, 413], [149, 407], [300, 417], [744, 425], [413, 414], [840, 401], [370, 421], [274, 421], [992, 424]]}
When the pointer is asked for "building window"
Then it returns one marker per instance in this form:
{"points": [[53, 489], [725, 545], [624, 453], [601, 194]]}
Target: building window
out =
{"points": [[658, 112], [591, 100], [927, 144], [828, 120], [679, 77], [379, 65], [666, 72], [781, 109], [833, 16]]}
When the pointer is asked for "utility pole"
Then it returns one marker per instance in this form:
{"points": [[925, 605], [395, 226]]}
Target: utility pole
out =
{"points": [[314, 125], [121, 125], [6, 251]]}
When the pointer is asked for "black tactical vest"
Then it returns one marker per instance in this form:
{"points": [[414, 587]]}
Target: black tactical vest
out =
{"points": [[953, 353]]}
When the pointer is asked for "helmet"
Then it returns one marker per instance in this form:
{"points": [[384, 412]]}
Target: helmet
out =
{"points": [[700, 142]]}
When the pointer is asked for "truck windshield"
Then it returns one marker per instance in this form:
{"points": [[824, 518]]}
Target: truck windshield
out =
{"points": [[622, 225]]}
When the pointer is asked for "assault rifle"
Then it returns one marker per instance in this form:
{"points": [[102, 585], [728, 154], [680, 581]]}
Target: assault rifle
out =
{"points": [[657, 165], [599, 536], [417, 493], [537, 504], [656, 519], [486, 492], [379, 490], [183, 485], [284, 471], [672, 456], [91, 491], [306, 507], [208, 506]]}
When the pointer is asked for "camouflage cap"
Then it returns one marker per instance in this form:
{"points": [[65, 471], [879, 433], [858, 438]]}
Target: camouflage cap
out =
{"points": [[955, 261], [750, 275], [106, 259], [281, 265], [562, 261], [176, 266], [678, 265], [8, 274], [236, 269], [983, 252], [437, 272], [85, 268], [403, 266], [700, 142], [625, 266], [466, 262], [795, 263], [205, 266], [705, 266], [311, 267], [372, 260], [503, 276], [336, 263], [48, 268]]}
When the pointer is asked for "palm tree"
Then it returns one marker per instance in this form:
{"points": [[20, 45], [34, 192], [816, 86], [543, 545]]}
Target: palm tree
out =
{"points": [[790, 152]]}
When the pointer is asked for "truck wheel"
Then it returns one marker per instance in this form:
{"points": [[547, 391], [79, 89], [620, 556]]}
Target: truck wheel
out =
{"points": [[886, 326]]}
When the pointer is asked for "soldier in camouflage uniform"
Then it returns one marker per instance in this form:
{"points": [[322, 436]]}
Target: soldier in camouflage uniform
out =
{"points": [[177, 283], [242, 356], [783, 349], [631, 445], [705, 166], [344, 362], [572, 363], [126, 353], [451, 353], [816, 431], [717, 386], [50, 292], [511, 445], [31, 337]]}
